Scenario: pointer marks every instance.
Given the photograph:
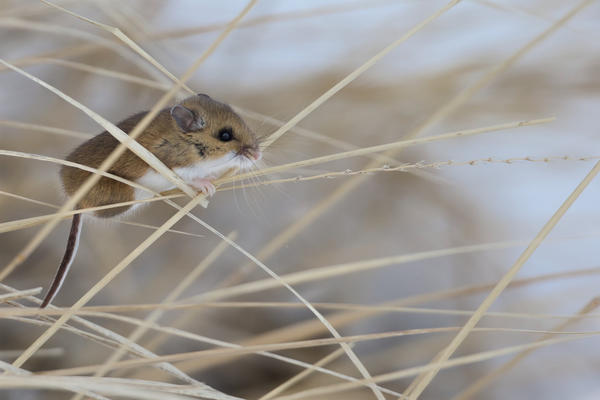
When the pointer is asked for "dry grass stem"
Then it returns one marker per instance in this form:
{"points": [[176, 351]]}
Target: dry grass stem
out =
{"points": [[175, 358], [303, 374], [408, 168], [44, 128], [105, 310], [107, 278], [104, 337], [354, 74], [389, 147], [427, 377], [464, 360], [18, 294], [172, 296], [130, 43], [478, 385]]}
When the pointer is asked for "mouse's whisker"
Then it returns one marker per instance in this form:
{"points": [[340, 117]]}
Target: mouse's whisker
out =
{"points": [[257, 180], [235, 197], [254, 180], [252, 171], [245, 194], [253, 208], [264, 163]]}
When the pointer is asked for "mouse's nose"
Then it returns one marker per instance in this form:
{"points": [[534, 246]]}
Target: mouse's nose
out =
{"points": [[256, 154]]}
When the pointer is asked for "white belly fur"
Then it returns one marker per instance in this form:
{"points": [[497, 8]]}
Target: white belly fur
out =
{"points": [[210, 169]]}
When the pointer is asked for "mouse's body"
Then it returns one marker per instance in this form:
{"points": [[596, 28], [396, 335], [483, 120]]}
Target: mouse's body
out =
{"points": [[199, 138], [185, 138]]}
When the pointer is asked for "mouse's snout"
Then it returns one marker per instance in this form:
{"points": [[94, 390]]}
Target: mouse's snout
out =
{"points": [[251, 153]]}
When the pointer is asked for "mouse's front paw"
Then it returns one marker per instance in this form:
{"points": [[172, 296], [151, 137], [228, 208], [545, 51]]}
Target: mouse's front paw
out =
{"points": [[204, 185]]}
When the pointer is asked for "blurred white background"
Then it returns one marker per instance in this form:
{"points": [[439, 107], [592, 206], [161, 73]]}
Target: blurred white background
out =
{"points": [[282, 57]]}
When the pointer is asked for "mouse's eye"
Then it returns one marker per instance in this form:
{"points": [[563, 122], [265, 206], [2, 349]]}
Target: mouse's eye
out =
{"points": [[225, 135]]}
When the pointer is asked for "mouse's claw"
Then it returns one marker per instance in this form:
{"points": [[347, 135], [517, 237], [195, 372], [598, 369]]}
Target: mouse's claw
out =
{"points": [[205, 186]]}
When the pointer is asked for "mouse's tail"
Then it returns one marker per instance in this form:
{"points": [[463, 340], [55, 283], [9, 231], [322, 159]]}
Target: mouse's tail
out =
{"points": [[70, 251]]}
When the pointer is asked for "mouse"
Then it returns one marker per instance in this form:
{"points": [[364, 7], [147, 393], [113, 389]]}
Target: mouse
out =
{"points": [[199, 138]]}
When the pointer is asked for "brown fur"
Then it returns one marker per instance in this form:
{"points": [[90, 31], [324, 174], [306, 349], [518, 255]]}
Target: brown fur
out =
{"points": [[165, 139]]}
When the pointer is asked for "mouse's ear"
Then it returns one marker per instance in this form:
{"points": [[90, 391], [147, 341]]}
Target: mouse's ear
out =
{"points": [[186, 119]]}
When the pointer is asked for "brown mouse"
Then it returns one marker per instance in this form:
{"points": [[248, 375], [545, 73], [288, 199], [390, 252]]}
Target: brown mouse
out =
{"points": [[199, 138]]}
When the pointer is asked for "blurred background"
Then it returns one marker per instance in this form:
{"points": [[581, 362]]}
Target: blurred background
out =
{"points": [[281, 57]]}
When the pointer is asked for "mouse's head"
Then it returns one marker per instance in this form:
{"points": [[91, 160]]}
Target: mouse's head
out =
{"points": [[215, 130]]}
